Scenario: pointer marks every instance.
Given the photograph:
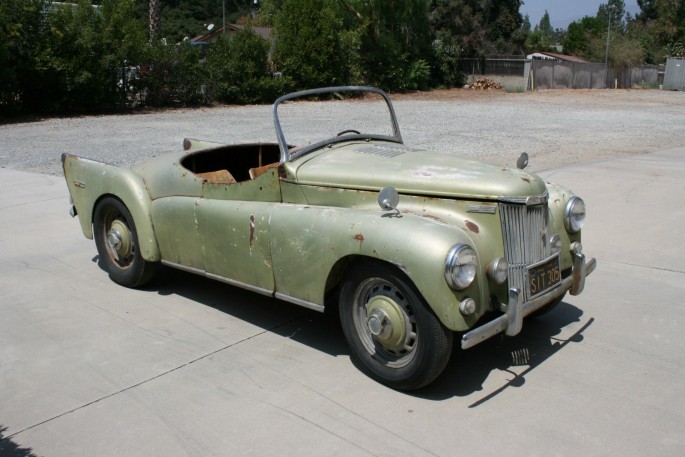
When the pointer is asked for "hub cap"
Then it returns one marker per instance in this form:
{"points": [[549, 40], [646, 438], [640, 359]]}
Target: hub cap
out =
{"points": [[385, 322], [119, 241]]}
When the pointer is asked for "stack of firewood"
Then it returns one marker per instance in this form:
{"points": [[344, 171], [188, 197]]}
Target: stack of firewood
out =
{"points": [[485, 84]]}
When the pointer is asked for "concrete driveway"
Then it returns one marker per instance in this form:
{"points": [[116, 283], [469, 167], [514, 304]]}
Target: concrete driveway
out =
{"points": [[191, 367]]}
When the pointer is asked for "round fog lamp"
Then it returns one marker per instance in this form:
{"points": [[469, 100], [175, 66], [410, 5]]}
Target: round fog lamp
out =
{"points": [[576, 247], [467, 306], [498, 270], [555, 244]]}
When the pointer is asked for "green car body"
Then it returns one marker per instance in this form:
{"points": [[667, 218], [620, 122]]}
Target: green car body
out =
{"points": [[293, 224]]}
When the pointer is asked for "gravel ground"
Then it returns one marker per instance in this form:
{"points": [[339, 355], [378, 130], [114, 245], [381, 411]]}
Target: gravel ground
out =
{"points": [[554, 127]]}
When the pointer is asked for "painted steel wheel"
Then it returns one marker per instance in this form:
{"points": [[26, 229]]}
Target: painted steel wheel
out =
{"points": [[117, 244], [393, 336]]}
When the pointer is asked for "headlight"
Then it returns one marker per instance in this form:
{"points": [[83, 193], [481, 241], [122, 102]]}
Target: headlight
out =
{"points": [[574, 215], [460, 266]]}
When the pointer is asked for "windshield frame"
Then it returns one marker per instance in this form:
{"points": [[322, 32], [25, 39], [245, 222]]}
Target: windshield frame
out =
{"points": [[287, 155]]}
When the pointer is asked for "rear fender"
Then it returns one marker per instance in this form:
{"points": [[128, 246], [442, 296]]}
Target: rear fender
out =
{"points": [[89, 180]]}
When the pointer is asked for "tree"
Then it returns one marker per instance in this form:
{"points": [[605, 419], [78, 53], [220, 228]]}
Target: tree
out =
{"points": [[238, 70], [648, 10], [480, 28], [22, 31], [308, 45], [525, 25], [588, 38], [579, 36], [155, 19], [664, 21], [615, 9], [395, 41], [546, 29]]}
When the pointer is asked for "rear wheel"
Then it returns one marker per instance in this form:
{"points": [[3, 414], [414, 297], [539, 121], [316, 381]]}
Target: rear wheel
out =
{"points": [[117, 244], [393, 336]]}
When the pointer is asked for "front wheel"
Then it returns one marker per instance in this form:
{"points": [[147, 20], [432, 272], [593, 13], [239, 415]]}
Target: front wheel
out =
{"points": [[116, 240], [392, 334]]}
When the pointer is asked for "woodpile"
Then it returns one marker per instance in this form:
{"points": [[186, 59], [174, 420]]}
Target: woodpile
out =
{"points": [[485, 84]]}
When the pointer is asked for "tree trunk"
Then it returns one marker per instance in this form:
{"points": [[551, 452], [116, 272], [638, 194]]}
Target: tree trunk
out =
{"points": [[155, 19]]}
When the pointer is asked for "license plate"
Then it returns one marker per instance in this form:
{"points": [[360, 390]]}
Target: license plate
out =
{"points": [[543, 276]]}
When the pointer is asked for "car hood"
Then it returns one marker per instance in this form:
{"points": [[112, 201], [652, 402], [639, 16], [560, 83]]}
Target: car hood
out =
{"points": [[372, 166]]}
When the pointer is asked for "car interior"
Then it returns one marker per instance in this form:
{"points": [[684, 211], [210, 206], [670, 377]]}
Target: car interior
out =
{"points": [[231, 164]]}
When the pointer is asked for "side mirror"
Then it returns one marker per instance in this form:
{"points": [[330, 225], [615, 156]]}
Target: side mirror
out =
{"points": [[522, 161], [388, 198]]}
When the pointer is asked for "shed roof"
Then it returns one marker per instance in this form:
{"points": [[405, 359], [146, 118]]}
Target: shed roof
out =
{"points": [[555, 56], [263, 32]]}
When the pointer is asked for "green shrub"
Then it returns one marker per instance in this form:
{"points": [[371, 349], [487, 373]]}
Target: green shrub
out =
{"points": [[238, 69]]}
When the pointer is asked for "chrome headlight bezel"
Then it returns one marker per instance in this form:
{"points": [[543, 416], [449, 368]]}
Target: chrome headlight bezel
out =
{"points": [[574, 214], [461, 266]]}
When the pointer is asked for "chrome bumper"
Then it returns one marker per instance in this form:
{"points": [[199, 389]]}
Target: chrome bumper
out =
{"points": [[512, 321]]}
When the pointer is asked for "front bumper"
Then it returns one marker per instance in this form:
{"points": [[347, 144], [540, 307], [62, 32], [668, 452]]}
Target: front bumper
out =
{"points": [[512, 321]]}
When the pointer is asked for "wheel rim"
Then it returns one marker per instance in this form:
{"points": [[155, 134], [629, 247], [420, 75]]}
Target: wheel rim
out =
{"points": [[385, 323], [118, 239]]}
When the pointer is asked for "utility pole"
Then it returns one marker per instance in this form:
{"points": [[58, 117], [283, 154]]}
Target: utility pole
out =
{"points": [[155, 19]]}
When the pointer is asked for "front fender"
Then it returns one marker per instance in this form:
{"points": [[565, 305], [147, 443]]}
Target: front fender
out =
{"points": [[558, 198], [307, 241], [90, 180]]}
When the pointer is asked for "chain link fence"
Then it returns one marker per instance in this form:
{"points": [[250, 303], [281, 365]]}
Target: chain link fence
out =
{"points": [[580, 75], [517, 73]]}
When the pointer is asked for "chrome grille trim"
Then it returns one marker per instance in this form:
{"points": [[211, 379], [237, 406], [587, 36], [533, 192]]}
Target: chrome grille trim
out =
{"points": [[526, 241], [528, 200]]}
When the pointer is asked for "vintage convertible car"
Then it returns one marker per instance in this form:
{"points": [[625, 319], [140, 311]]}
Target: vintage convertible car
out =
{"points": [[411, 246]]}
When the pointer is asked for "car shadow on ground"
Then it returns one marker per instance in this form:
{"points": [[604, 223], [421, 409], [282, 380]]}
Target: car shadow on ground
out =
{"points": [[539, 340], [320, 331], [465, 373]]}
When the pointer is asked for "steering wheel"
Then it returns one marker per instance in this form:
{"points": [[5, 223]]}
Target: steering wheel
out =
{"points": [[348, 131]]}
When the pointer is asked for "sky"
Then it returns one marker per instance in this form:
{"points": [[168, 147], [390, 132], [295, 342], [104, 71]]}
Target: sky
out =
{"points": [[563, 12]]}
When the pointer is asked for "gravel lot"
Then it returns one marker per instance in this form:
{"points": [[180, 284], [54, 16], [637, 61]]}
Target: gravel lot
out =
{"points": [[554, 127]]}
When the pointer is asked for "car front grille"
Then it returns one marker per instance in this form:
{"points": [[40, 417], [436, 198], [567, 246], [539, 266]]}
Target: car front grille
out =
{"points": [[526, 241]]}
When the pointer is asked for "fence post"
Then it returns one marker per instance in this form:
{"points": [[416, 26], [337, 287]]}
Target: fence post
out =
{"points": [[573, 79]]}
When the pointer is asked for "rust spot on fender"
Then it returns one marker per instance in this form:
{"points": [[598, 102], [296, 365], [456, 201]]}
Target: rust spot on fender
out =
{"points": [[433, 218], [359, 237], [251, 230], [472, 227], [526, 180]]}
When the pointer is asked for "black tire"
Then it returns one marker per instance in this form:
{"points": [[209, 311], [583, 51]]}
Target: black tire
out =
{"points": [[548, 307], [122, 261], [413, 355]]}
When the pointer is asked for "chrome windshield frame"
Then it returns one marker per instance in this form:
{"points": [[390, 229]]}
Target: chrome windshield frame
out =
{"points": [[287, 155]]}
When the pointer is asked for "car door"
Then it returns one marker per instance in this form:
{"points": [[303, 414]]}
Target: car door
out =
{"points": [[233, 226]]}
